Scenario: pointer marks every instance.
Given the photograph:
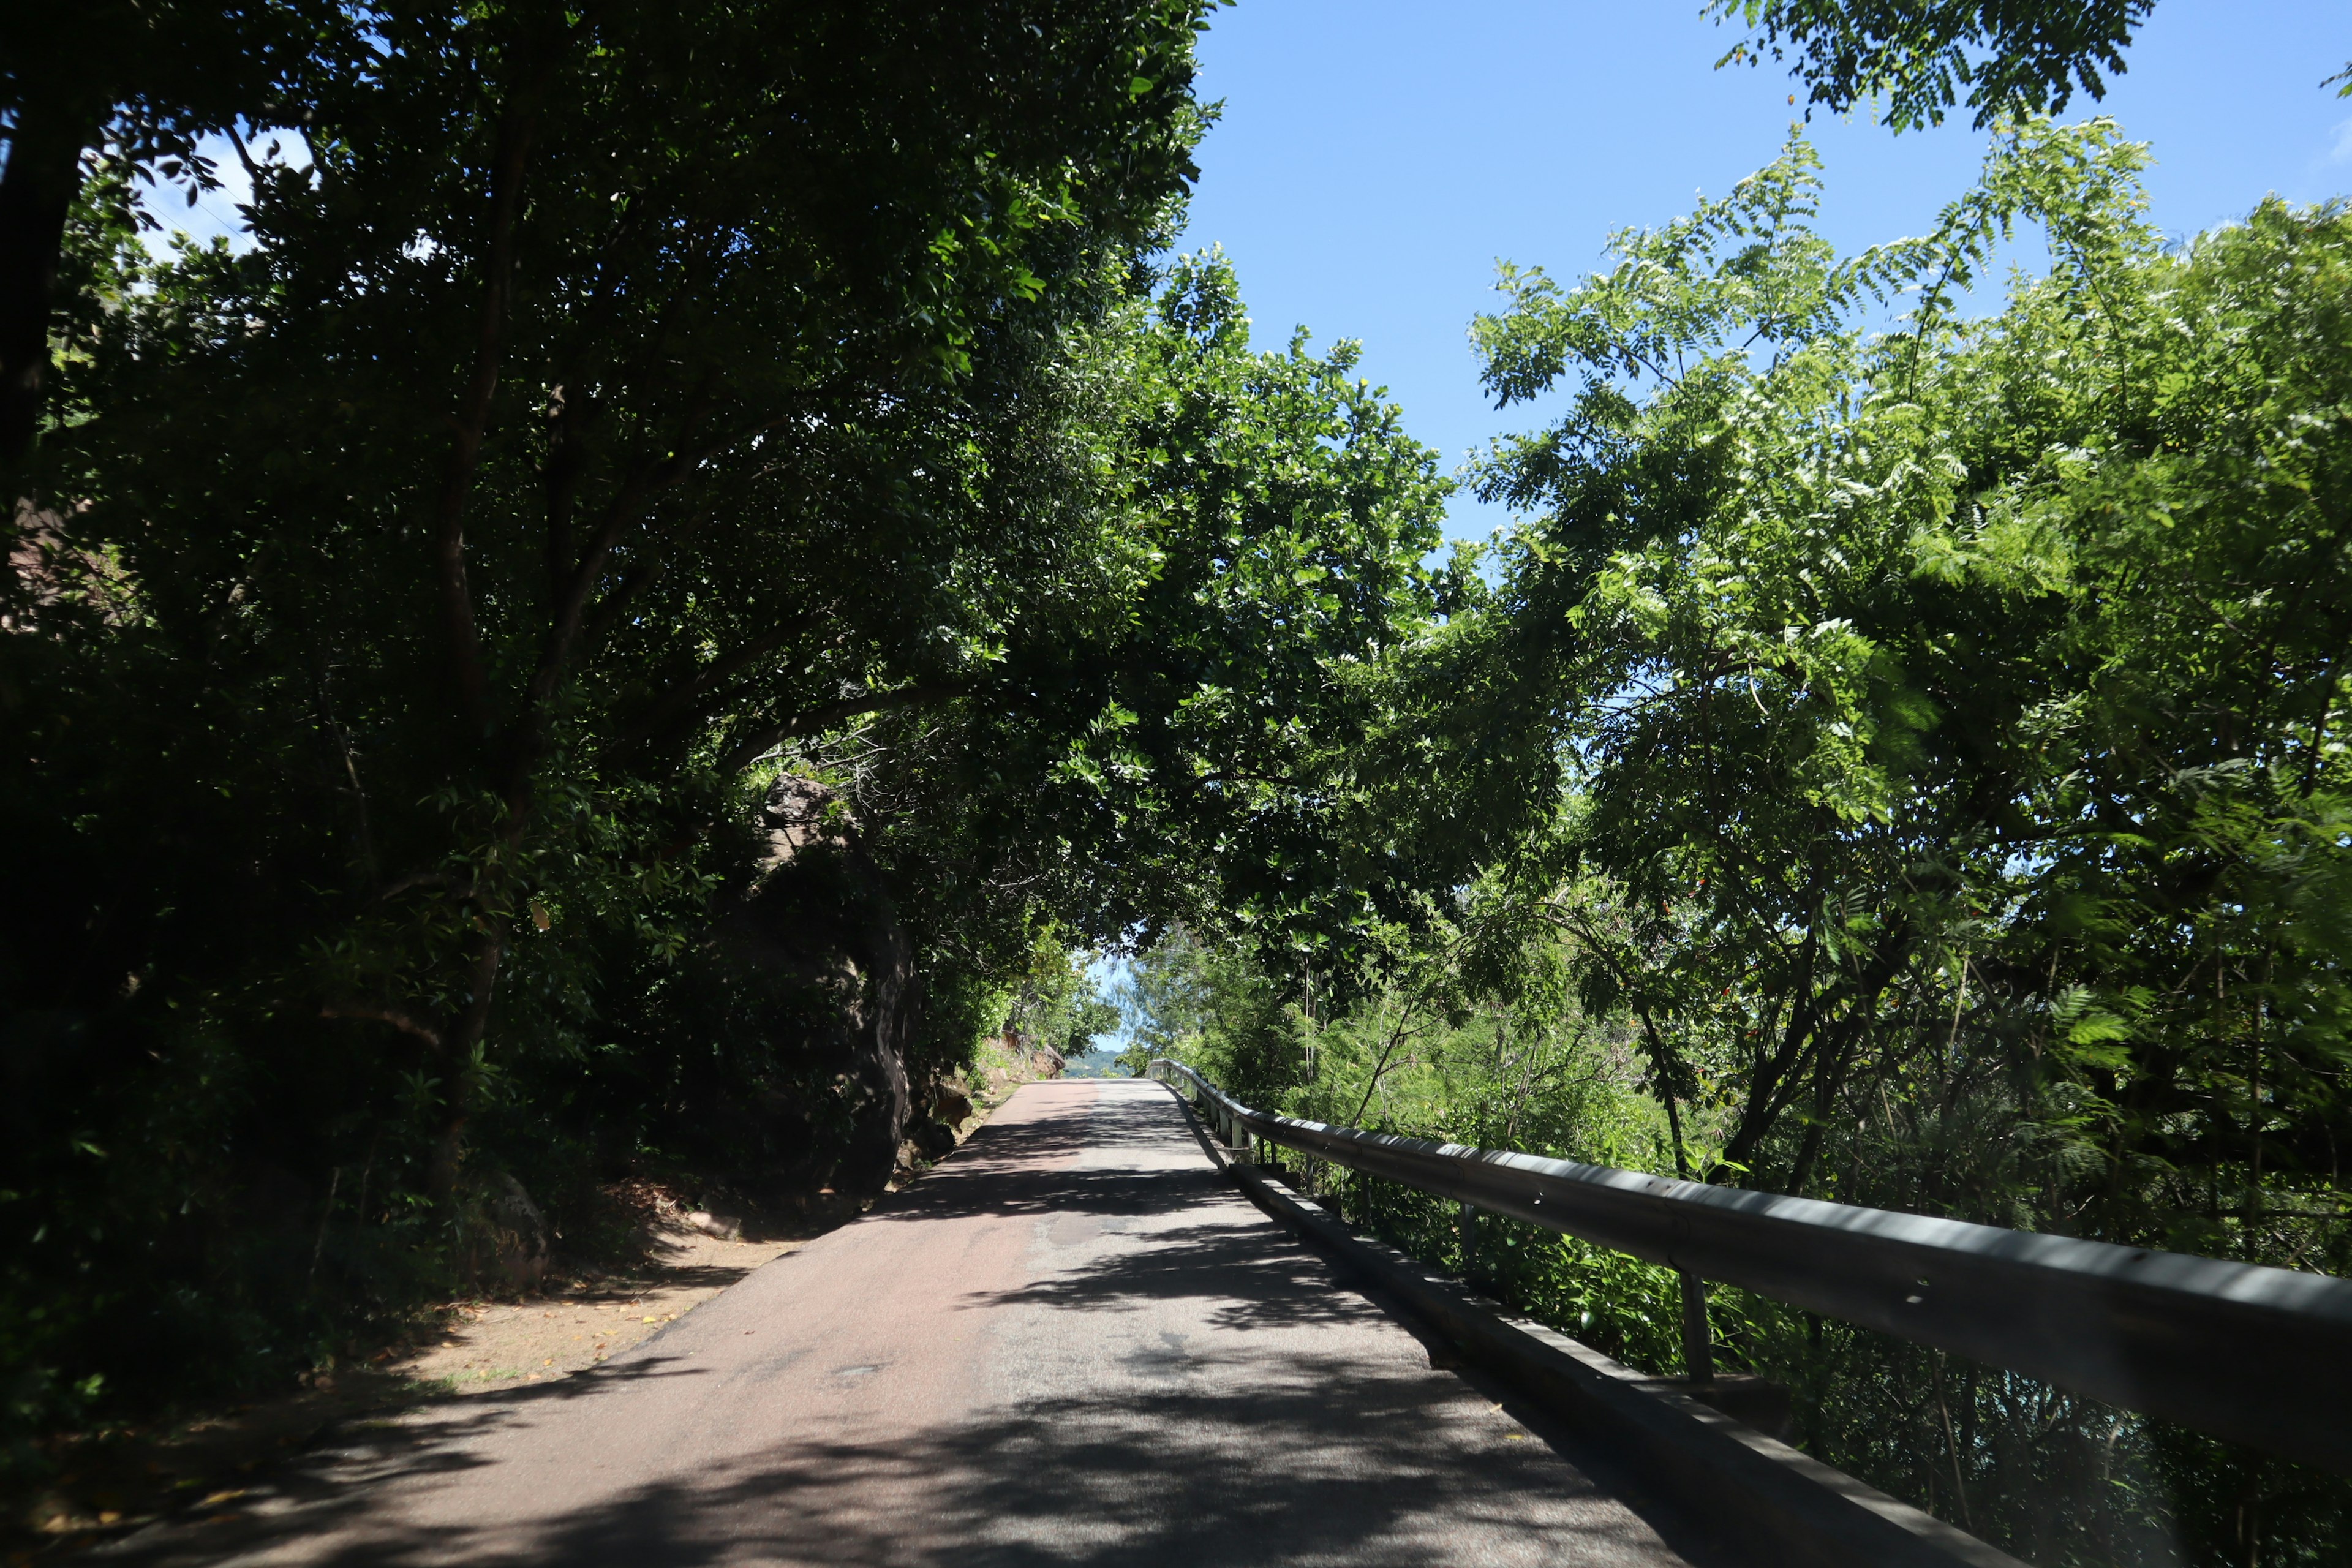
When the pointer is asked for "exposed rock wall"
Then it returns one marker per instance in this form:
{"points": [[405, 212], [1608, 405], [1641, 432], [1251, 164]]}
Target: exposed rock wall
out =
{"points": [[817, 918]]}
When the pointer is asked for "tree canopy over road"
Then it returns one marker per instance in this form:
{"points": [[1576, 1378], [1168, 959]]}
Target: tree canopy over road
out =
{"points": [[705, 560], [619, 412]]}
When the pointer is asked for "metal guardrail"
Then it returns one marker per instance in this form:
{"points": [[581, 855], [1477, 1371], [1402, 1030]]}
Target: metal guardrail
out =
{"points": [[2261, 1356]]}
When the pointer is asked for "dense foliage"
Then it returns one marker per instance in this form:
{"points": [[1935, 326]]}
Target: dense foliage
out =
{"points": [[626, 639], [1997, 58], [1957, 813], [1914, 60]]}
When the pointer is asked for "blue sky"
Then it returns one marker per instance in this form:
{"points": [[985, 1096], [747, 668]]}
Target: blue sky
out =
{"points": [[1375, 159]]}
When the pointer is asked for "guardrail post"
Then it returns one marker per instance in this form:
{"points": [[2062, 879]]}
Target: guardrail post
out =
{"points": [[1698, 1344], [1469, 1240]]}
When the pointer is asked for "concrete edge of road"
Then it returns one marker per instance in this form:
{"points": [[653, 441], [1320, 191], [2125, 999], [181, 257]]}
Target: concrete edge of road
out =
{"points": [[1694, 1455]]}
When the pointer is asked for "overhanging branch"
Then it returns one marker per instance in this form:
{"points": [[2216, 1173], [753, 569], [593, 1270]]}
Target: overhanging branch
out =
{"points": [[680, 702], [809, 720]]}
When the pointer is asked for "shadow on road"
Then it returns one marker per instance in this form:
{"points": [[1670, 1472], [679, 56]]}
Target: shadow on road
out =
{"points": [[1029, 1167], [1321, 1462], [1182, 1455], [1253, 1283]]}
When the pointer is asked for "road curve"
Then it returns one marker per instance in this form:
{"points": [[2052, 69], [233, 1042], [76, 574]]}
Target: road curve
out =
{"points": [[1072, 1344]]}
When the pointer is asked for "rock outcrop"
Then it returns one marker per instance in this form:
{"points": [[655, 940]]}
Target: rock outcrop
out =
{"points": [[512, 1236], [818, 927], [932, 1138]]}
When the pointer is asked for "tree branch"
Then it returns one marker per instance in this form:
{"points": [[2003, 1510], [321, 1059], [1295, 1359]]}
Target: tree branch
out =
{"points": [[743, 753], [510, 155], [678, 702], [393, 1016], [572, 588], [566, 457]]}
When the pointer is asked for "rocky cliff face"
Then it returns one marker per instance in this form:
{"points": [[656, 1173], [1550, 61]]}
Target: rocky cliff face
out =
{"points": [[816, 927]]}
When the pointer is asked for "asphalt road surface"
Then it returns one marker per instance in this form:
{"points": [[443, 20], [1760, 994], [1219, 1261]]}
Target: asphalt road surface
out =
{"points": [[1072, 1344]]}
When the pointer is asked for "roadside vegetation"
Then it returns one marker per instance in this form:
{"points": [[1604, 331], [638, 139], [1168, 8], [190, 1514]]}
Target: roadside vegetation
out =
{"points": [[698, 568], [1921, 734], [694, 559]]}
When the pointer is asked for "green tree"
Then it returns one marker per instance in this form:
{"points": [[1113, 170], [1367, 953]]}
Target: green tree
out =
{"points": [[143, 82], [2009, 58], [1953, 710], [759, 445], [674, 414], [1288, 516], [2000, 58], [1057, 1002], [399, 610]]}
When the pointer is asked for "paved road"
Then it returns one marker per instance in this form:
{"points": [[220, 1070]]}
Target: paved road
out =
{"points": [[1072, 1343]]}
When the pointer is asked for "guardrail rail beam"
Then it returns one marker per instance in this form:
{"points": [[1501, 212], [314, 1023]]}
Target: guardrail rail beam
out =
{"points": [[2259, 1355]]}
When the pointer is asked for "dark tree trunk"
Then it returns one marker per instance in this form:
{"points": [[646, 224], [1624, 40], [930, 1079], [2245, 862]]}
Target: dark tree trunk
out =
{"points": [[37, 190]]}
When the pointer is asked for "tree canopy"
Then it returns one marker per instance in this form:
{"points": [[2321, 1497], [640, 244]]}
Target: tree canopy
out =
{"points": [[618, 639], [1996, 57], [1950, 811]]}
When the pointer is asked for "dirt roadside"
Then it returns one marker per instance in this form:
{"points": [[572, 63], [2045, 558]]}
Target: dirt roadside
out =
{"points": [[111, 1484], [489, 1344], [492, 1343]]}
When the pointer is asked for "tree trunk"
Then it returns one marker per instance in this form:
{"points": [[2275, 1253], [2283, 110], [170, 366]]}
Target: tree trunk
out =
{"points": [[36, 191], [459, 1047]]}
